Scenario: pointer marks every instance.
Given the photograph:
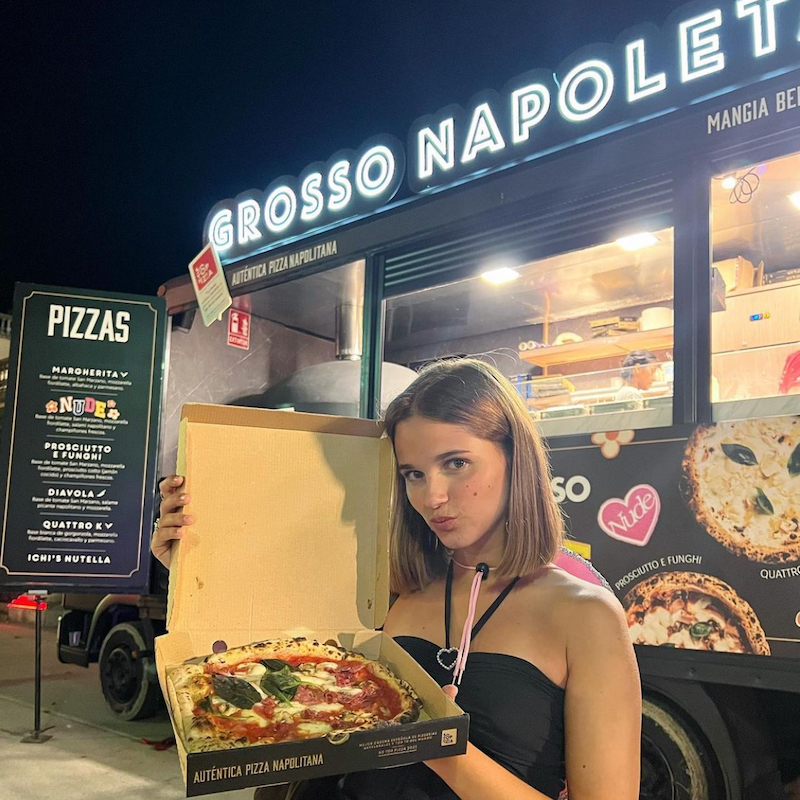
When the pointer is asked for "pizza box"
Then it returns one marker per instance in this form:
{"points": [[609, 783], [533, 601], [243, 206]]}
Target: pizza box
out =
{"points": [[291, 538]]}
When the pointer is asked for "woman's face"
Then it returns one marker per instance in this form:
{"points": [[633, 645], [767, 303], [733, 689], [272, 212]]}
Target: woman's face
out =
{"points": [[457, 482]]}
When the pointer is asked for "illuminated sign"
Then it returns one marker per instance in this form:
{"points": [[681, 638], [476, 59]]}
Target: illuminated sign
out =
{"points": [[701, 52], [348, 185]]}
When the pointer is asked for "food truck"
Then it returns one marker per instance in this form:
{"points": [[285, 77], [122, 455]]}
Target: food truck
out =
{"points": [[621, 238]]}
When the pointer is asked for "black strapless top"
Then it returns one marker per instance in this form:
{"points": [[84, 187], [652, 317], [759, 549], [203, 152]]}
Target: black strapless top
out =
{"points": [[516, 718]]}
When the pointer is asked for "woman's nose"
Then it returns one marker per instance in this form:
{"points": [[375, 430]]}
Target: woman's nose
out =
{"points": [[435, 492]]}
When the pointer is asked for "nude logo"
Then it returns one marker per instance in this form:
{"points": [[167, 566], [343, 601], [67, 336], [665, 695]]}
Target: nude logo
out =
{"points": [[633, 519]]}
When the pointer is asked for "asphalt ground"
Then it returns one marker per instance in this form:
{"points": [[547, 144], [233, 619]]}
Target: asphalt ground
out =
{"points": [[92, 755]]}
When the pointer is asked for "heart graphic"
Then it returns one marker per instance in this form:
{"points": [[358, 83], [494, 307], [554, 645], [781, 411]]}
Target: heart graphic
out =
{"points": [[633, 519], [442, 655]]}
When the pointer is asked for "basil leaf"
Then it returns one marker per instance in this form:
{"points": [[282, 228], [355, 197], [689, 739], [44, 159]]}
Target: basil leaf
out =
{"points": [[794, 462], [235, 691], [284, 681], [274, 664], [268, 687], [740, 454], [763, 505], [700, 630]]}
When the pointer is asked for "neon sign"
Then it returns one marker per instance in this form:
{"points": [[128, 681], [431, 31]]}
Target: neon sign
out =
{"points": [[349, 184], [701, 52]]}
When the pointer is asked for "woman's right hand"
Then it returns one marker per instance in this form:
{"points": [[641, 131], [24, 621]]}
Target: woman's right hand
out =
{"points": [[171, 519]]}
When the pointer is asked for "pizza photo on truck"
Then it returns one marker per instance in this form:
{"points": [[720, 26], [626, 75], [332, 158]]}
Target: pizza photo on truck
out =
{"points": [[742, 481], [695, 612]]}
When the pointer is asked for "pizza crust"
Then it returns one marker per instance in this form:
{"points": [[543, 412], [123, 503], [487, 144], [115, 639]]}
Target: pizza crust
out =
{"points": [[659, 589], [722, 493], [190, 684]]}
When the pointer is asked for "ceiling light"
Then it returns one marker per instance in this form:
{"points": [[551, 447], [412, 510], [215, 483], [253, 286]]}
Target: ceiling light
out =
{"points": [[795, 198], [729, 182], [501, 275], [637, 241]]}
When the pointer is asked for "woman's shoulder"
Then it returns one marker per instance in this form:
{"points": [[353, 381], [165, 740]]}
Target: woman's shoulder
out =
{"points": [[574, 600]]}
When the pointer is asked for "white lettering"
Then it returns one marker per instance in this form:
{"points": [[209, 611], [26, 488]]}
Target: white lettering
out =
{"points": [[369, 184], [439, 148], [529, 106], [639, 84], [313, 201], [279, 209], [247, 219], [594, 71], [765, 39], [56, 317], [220, 230], [700, 53], [340, 186], [484, 134]]}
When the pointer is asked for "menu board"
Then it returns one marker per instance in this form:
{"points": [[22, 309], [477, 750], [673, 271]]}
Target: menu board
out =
{"points": [[695, 529], [80, 439]]}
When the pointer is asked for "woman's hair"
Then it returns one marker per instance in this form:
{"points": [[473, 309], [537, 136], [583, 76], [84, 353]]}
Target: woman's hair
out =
{"points": [[470, 393]]}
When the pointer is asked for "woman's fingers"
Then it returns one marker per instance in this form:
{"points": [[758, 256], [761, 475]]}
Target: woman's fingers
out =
{"points": [[172, 503], [170, 485], [171, 519]]}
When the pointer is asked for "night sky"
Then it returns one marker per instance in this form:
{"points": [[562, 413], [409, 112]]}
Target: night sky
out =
{"points": [[124, 121]]}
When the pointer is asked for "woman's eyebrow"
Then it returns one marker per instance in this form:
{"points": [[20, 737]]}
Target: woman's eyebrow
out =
{"points": [[440, 457], [450, 454]]}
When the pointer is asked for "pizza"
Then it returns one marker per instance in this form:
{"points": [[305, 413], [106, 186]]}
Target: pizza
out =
{"points": [[693, 611], [284, 690], [742, 480]]}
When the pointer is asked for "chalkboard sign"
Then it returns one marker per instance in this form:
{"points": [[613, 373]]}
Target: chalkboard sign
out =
{"points": [[80, 439]]}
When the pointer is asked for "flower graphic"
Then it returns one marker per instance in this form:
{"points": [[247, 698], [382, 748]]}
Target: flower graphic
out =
{"points": [[111, 404], [51, 407], [112, 413], [611, 442]]}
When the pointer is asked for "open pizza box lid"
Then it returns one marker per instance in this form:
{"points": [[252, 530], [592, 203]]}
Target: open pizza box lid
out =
{"points": [[291, 523], [291, 538]]}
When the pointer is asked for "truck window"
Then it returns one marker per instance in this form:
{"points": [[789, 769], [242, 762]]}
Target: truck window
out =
{"points": [[586, 336], [755, 279]]}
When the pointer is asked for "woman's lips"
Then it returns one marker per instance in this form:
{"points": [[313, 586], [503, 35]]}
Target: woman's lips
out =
{"points": [[443, 523]]}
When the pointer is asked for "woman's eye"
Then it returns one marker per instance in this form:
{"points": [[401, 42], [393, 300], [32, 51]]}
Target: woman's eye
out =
{"points": [[458, 463], [412, 475]]}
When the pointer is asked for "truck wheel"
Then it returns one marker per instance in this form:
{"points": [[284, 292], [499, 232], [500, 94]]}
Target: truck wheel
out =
{"points": [[127, 672], [676, 765]]}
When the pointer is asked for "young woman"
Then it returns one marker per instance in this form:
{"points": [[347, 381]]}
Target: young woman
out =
{"points": [[551, 683]]}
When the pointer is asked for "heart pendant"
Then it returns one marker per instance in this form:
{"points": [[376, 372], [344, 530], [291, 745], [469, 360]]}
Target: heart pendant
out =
{"points": [[443, 654]]}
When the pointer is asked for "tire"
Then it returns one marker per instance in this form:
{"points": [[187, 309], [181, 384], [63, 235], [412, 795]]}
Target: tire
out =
{"points": [[676, 764], [127, 672]]}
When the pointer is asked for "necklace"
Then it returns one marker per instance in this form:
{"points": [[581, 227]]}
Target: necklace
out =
{"points": [[480, 567], [455, 658]]}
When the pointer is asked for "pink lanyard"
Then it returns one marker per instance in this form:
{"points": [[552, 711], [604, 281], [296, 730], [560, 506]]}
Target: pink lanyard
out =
{"points": [[460, 664]]}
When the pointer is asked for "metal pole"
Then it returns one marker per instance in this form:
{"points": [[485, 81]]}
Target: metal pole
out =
{"points": [[36, 737]]}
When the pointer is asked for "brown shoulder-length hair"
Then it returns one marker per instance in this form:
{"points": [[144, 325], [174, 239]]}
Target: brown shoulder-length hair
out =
{"points": [[471, 393]]}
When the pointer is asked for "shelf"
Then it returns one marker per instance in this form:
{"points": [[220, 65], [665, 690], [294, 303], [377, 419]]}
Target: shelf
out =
{"points": [[604, 347], [767, 287]]}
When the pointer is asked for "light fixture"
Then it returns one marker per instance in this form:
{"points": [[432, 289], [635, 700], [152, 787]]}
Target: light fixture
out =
{"points": [[500, 275], [795, 198], [729, 182], [637, 241]]}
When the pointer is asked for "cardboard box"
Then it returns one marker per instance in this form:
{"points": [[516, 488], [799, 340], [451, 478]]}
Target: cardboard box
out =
{"points": [[291, 538]]}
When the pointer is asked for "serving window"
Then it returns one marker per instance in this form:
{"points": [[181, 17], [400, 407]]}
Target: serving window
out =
{"points": [[585, 336], [755, 320]]}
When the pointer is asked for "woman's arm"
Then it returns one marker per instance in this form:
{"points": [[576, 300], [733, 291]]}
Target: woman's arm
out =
{"points": [[602, 716], [473, 776], [476, 776], [603, 707]]}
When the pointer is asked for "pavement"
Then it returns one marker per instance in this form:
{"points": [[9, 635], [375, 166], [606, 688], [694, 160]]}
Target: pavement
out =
{"points": [[92, 755]]}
